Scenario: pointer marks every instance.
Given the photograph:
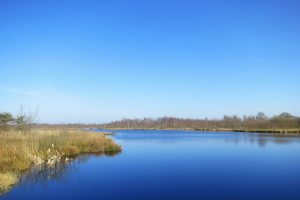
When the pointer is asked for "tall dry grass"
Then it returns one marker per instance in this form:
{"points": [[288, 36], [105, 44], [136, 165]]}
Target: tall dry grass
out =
{"points": [[19, 150]]}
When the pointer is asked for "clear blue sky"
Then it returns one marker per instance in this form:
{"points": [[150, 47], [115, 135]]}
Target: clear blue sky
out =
{"points": [[96, 61]]}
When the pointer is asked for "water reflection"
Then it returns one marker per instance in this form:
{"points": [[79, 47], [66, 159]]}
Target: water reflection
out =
{"points": [[167, 136], [60, 172], [41, 174], [262, 140]]}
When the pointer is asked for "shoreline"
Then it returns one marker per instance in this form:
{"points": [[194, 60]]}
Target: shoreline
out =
{"points": [[267, 131], [19, 151]]}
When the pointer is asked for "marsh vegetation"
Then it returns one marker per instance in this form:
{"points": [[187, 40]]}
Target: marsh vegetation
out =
{"points": [[20, 150]]}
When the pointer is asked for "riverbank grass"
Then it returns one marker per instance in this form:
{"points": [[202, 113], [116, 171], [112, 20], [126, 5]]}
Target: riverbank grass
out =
{"points": [[7, 179], [19, 150]]}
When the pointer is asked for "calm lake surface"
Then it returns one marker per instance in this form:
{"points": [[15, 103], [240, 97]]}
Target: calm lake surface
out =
{"points": [[175, 165]]}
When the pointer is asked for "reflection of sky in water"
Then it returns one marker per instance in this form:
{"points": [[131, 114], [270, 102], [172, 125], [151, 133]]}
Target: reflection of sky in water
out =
{"points": [[193, 136], [176, 165]]}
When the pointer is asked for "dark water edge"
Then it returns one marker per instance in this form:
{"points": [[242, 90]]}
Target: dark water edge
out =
{"points": [[278, 132], [171, 164]]}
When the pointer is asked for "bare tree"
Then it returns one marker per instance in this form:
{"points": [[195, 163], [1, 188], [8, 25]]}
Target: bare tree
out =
{"points": [[26, 120]]}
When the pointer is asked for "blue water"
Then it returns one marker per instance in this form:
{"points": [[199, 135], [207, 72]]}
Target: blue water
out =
{"points": [[175, 165]]}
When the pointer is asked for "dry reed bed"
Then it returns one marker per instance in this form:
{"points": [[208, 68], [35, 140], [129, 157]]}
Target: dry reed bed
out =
{"points": [[18, 150]]}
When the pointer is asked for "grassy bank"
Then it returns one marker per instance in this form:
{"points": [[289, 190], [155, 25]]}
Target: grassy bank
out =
{"points": [[18, 150]]}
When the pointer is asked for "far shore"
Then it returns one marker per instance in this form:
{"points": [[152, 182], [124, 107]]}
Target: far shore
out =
{"points": [[269, 131]]}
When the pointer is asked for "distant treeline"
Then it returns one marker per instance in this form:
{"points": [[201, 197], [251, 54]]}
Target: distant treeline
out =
{"points": [[252, 123], [260, 121]]}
